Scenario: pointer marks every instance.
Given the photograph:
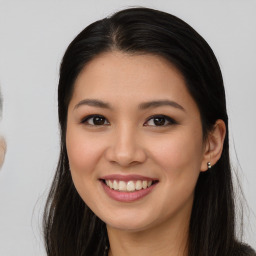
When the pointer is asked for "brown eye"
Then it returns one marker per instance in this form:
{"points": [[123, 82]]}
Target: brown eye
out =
{"points": [[95, 120], [160, 120]]}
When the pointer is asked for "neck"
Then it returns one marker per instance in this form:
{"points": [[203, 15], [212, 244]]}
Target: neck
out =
{"points": [[167, 239]]}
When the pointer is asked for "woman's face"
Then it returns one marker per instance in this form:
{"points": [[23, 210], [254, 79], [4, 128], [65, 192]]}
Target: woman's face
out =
{"points": [[134, 141]]}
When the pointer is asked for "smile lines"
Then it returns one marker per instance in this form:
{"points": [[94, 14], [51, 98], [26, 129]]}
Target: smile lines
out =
{"points": [[129, 186]]}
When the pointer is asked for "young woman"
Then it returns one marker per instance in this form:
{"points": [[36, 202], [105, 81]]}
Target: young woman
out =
{"points": [[144, 164]]}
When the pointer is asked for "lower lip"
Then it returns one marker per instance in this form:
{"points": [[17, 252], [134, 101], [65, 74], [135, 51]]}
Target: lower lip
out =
{"points": [[127, 196]]}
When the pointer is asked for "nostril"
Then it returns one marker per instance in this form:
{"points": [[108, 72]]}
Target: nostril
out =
{"points": [[125, 154]]}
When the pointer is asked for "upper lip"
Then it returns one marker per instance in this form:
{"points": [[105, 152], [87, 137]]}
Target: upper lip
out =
{"points": [[127, 177]]}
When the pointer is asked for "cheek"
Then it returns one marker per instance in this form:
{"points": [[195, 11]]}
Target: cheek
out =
{"points": [[179, 158], [84, 151], [179, 152]]}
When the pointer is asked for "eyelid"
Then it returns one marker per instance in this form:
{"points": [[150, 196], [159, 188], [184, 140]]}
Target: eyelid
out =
{"points": [[169, 119], [85, 119]]}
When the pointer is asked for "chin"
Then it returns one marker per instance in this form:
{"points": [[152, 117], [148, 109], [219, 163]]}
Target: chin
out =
{"points": [[130, 223], [128, 227]]}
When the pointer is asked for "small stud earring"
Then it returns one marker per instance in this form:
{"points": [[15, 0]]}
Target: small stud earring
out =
{"points": [[209, 165]]}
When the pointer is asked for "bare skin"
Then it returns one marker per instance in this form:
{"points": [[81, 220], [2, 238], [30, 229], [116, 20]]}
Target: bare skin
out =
{"points": [[2, 150], [133, 115], [153, 242]]}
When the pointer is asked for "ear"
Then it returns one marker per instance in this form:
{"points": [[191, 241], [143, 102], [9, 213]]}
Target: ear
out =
{"points": [[214, 145]]}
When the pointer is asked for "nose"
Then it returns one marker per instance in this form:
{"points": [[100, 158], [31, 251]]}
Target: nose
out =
{"points": [[126, 148]]}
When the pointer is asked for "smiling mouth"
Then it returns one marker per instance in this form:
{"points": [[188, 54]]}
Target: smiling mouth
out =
{"points": [[130, 186]]}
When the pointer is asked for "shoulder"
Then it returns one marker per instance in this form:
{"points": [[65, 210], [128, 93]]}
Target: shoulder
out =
{"points": [[243, 250]]}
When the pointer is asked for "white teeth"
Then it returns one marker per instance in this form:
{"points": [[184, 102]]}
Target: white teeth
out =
{"points": [[115, 185], [129, 186], [138, 185], [122, 186], [144, 184]]}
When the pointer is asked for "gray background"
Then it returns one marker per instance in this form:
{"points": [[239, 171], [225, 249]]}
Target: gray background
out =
{"points": [[33, 37]]}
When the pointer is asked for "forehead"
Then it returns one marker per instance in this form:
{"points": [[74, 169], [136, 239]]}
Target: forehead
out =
{"points": [[129, 78]]}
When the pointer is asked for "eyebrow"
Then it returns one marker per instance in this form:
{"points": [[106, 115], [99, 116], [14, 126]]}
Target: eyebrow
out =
{"points": [[159, 103], [142, 106], [93, 103]]}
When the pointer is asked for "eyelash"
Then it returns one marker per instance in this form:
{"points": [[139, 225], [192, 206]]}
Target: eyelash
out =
{"points": [[168, 119], [85, 120]]}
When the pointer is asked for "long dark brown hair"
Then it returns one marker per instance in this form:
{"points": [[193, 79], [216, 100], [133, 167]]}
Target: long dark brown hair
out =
{"points": [[70, 227]]}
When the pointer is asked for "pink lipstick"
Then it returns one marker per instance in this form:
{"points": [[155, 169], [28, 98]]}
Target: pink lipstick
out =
{"points": [[127, 188]]}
